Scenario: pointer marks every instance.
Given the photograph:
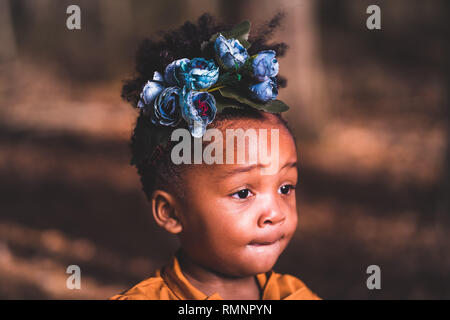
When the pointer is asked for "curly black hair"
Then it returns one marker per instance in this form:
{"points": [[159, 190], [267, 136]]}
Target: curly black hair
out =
{"points": [[155, 168]]}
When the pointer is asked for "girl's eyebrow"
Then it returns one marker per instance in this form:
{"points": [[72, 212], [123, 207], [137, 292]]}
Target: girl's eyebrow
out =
{"points": [[254, 166]]}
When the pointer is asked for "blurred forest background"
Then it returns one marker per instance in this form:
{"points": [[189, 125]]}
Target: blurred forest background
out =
{"points": [[369, 108]]}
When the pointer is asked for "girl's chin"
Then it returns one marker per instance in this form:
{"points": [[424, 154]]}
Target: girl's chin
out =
{"points": [[260, 261], [250, 265], [261, 267]]}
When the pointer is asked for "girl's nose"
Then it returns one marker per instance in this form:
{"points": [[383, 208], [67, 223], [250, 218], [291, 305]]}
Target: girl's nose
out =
{"points": [[271, 214]]}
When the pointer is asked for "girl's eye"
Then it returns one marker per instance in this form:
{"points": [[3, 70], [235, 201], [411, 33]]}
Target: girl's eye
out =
{"points": [[241, 194], [286, 189]]}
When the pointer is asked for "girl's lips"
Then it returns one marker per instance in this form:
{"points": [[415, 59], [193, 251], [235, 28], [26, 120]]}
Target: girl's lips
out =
{"points": [[265, 246], [265, 241]]}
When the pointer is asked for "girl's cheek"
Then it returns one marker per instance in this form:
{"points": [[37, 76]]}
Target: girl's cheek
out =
{"points": [[292, 214], [239, 225], [295, 220]]}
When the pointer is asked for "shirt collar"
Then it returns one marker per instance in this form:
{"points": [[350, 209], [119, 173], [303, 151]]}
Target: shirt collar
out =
{"points": [[184, 290]]}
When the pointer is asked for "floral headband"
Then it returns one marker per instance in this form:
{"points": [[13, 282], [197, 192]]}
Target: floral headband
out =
{"points": [[196, 89]]}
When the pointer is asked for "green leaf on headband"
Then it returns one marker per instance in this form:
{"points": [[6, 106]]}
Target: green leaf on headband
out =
{"points": [[222, 103], [239, 32], [277, 106], [273, 106]]}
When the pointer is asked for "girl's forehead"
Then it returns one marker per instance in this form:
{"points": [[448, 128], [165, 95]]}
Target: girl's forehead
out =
{"points": [[239, 149]]}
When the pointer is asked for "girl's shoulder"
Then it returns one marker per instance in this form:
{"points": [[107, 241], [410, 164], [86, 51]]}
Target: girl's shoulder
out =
{"points": [[153, 288]]}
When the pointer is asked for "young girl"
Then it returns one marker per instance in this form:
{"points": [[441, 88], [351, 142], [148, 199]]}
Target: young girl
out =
{"points": [[232, 207]]}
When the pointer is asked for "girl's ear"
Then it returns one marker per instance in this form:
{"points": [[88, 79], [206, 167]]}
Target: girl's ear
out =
{"points": [[164, 211]]}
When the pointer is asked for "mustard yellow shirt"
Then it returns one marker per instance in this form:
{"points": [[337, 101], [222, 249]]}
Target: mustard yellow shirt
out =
{"points": [[169, 283]]}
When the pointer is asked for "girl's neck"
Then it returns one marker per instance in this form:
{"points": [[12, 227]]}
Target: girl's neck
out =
{"points": [[210, 282]]}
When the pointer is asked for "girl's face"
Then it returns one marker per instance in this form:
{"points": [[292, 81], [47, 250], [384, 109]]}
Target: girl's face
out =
{"points": [[235, 220]]}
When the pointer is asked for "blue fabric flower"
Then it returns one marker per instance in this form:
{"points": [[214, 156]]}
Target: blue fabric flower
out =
{"points": [[230, 52], [158, 77], [264, 91], [265, 65], [199, 110], [196, 74], [149, 93], [167, 107], [173, 73], [199, 73]]}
